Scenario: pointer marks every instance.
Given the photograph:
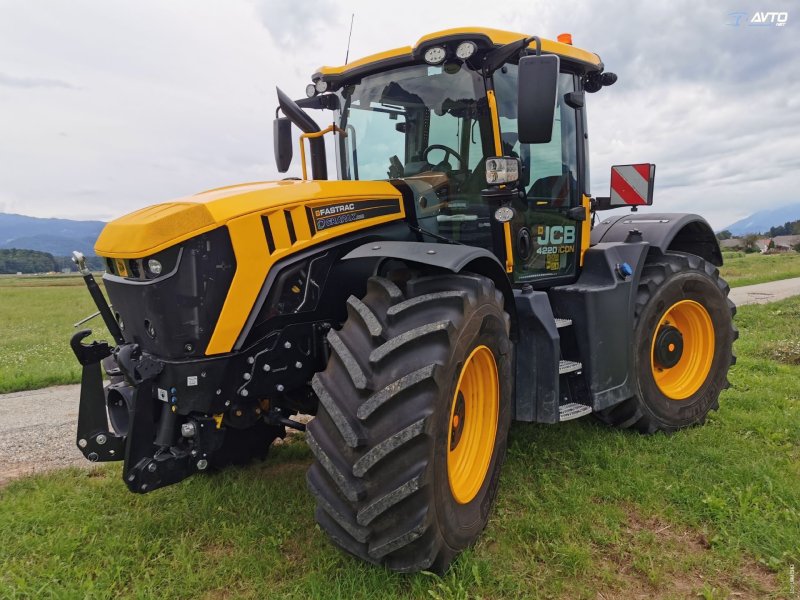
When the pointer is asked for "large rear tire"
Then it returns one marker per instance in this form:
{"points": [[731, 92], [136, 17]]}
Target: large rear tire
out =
{"points": [[413, 418], [683, 345]]}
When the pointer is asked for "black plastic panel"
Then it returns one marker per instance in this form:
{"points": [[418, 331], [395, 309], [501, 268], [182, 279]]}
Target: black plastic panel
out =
{"points": [[180, 309]]}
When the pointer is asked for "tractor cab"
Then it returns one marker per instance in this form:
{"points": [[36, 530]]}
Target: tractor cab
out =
{"points": [[468, 122]]}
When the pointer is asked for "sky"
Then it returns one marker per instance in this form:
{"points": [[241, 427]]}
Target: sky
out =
{"points": [[107, 106]]}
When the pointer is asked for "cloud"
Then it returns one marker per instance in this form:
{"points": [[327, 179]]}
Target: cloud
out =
{"points": [[290, 21], [33, 82], [177, 97]]}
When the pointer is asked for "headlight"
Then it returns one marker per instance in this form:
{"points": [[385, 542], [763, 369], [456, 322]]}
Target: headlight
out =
{"points": [[435, 55], [502, 170], [154, 267], [311, 90], [504, 214], [321, 86], [465, 50]]}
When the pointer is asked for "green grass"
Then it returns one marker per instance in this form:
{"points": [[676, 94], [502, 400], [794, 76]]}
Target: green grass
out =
{"points": [[36, 320], [747, 269], [583, 512]]}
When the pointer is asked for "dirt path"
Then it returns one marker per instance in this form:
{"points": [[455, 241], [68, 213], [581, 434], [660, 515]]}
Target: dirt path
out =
{"points": [[37, 428], [762, 293]]}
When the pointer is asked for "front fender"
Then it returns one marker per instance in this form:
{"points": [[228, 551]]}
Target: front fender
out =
{"points": [[450, 257]]}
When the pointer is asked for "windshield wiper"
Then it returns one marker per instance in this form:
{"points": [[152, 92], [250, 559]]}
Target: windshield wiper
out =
{"points": [[500, 56]]}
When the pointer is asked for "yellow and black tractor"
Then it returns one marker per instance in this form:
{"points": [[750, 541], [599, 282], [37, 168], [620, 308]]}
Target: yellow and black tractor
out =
{"points": [[447, 282]]}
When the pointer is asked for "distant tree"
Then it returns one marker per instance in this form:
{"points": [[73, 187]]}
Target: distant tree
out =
{"points": [[796, 247], [724, 235], [749, 242], [771, 244], [26, 261]]}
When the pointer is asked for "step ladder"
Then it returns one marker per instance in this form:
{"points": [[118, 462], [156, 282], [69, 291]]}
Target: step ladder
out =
{"points": [[570, 410]]}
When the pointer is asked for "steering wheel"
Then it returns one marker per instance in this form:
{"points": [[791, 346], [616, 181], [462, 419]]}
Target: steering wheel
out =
{"points": [[448, 152]]}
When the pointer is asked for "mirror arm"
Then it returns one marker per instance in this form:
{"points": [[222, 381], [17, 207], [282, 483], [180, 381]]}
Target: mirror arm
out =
{"points": [[319, 165], [498, 57]]}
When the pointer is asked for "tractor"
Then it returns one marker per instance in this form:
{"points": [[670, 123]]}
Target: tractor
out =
{"points": [[454, 277]]}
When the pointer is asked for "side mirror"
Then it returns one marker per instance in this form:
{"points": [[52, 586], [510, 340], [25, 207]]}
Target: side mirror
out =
{"points": [[536, 97], [282, 143], [631, 185]]}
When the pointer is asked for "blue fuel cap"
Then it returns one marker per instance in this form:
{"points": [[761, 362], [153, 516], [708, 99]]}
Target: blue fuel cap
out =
{"points": [[624, 270]]}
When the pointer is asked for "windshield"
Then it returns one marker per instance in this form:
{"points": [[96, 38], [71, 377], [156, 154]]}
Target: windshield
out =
{"points": [[431, 127]]}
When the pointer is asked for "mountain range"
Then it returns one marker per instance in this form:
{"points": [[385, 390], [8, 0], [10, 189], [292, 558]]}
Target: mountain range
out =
{"points": [[761, 221], [59, 237]]}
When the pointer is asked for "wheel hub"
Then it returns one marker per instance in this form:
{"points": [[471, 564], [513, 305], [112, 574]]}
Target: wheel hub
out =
{"points": [[457, 422], [668, 347]]}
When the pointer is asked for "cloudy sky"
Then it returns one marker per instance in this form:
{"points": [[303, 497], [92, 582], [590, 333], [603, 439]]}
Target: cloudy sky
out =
{"points": [[110, 105]]}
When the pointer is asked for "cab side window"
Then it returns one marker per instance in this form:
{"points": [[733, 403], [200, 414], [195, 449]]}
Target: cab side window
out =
{"points": [[549, 171]]}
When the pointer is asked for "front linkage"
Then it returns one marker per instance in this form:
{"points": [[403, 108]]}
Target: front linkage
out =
{"points": [[153, 456], [161, 439]]}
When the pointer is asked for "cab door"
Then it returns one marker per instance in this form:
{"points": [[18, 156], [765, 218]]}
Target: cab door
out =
{"points": [[545, 240]]}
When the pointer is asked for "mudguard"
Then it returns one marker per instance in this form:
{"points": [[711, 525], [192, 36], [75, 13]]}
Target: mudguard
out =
{"points": [[451, 257], [681, 232]]}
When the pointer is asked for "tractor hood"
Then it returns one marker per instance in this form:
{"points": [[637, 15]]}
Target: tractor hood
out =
{"points": [[160, 226]]}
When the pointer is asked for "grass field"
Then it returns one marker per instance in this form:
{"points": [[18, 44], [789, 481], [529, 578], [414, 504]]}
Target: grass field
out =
{"points": [[583, 512], [36, 317], [747, 269], [38, 313]]}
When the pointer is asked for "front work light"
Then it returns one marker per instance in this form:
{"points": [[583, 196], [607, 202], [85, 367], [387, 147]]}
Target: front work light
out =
{"points": [[435, 55], [321, 85], [502, 170], [154, 267], [311, 90], [465, 50]]}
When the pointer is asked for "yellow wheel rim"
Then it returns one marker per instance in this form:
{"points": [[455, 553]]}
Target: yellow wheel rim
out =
{"points": [[680, 380], [473, 424]]}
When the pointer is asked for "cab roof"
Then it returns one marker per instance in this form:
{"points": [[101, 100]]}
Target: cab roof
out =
{"points": [[483, 36]]}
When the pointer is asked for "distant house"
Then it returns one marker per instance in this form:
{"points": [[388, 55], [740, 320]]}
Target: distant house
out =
{"points": [[779, 244], [732, 244]]}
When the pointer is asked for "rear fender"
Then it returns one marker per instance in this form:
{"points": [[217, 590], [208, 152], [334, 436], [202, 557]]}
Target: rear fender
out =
{"points": [[680, 232]]}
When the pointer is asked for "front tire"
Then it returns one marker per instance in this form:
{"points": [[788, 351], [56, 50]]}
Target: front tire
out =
{"points": [[683, 345], [413, 418]]}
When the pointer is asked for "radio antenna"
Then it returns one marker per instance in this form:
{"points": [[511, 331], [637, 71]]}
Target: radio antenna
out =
{"points": [[349, 37]]}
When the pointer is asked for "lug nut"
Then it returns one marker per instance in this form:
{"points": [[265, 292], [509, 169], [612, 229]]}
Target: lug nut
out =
{"points": [[93, 456], [250, 360], [152, 467], [188, 429], [246, 376], [82, 443], [266, 368], [202, 464], [244, 393], [101, 439], [238, 413], [287, 345], [279, 387], [298, 365]]}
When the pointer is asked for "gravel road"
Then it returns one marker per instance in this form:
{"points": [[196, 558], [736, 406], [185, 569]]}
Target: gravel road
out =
{"points": [[37, 428], [37, 431]]}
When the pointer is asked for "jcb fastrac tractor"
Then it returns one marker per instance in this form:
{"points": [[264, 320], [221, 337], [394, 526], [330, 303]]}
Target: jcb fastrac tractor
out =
{"points": [[447, 282]]}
